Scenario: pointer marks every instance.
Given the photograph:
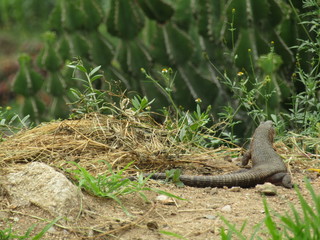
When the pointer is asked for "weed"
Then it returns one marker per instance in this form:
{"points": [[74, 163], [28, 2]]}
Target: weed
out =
{"points": [[10, 122], [91, 100], [251, 99], [113, 184], [8, 234], [305, 226], [191, 126], [305, 111], [140, 105], [167, 87], [171, 234], [173, 175]]}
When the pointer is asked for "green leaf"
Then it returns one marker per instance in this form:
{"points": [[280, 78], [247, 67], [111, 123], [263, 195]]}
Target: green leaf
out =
{"points": [[96, 77], [172, 234], [45, 229], [270, 63], [93, 71]]}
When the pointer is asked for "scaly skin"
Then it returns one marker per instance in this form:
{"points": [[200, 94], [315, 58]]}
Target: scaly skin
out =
{"points": [[267, 166]]}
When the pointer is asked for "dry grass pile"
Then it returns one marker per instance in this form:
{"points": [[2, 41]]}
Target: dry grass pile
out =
{"points": [[99, 137]]}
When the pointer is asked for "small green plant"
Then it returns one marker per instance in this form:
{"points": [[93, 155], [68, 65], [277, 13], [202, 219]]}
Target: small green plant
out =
{"points": [[294, 225], [305, 111], [8, 234], [190, 126], [91, 99], [167, 77], [253, 99], [172, 234], [113, 184], [140, 105], [173, 175], [11, 122]]}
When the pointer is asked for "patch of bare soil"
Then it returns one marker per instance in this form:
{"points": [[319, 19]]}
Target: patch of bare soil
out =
{"points": [[88, 140]]}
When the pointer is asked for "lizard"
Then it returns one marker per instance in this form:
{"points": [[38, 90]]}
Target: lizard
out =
{"points": [[267, 166]]}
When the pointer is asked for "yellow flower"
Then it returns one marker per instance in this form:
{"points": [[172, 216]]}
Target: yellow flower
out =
{"points": [[239, 74], [198, 100], [164, 70]]}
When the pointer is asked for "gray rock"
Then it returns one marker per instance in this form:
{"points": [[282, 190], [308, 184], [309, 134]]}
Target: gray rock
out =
{"points": [[39, 184]]}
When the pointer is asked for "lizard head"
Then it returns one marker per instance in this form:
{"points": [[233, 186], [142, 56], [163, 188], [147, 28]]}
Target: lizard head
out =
{"points": [[271, 132]]}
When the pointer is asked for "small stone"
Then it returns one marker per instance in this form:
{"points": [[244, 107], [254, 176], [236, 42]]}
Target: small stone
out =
{"points": [[267, 189], [52, 230], [211, 217], [213, 191], [164, 200], [226, 208], [235, 189], [152, 225]]}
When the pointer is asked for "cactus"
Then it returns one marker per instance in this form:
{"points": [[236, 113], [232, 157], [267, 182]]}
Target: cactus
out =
{"points": [[49, 58], [101, 50], [27, 81], [133, 56], [93, 14], [157, 10], [125, 19], [123, 36]]}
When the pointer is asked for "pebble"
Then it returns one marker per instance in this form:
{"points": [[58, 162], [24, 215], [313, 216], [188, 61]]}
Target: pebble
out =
{"points": [[267, 189], [52, 230], [153, 225], [164, 200], [235, 189], [211, 217], [226, 208], [213, 191]]}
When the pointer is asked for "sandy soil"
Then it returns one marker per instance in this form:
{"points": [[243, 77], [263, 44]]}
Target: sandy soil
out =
{"points": [[197, 217]]}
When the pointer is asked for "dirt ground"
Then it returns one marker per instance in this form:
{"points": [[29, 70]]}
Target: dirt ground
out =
{"points": [[196, 217]]}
